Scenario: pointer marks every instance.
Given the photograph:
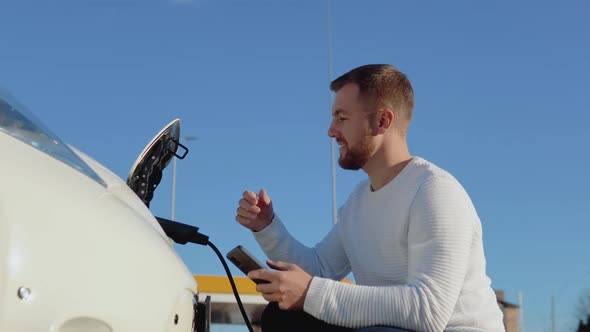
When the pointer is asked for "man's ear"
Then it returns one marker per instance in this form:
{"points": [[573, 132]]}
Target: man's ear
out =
{"points": [[386, 118]]}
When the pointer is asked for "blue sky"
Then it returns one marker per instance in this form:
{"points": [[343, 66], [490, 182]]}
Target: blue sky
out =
{"points": [[501, 102]]}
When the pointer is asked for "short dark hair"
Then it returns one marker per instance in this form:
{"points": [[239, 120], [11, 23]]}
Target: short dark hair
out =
{"points": [[384, 85]]}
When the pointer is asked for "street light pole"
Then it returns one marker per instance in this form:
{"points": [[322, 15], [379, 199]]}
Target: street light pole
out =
{"points": [[173, 194], [332, 140], [173, 190]]}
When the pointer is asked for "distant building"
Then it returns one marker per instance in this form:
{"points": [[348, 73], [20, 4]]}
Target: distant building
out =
{"points": [[584, 327], [510, 312]]}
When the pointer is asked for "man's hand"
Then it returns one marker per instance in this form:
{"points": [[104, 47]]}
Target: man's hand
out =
{"points": [[255, 211], [288, 286]]}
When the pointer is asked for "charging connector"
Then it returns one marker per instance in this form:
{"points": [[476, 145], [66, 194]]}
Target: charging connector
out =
{"points": [[183, 234]]}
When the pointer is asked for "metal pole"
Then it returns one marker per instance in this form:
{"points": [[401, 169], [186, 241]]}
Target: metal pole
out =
{"points": [[173, 194], [521, 313], [553, 314], [333, 143], [173, 191]]}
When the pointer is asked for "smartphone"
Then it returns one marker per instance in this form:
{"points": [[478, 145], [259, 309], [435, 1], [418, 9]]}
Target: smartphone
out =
{"points": [[245, 261]]}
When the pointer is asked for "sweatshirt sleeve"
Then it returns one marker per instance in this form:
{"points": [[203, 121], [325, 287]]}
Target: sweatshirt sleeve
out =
{"points": [[439, 240], [327, 259]]}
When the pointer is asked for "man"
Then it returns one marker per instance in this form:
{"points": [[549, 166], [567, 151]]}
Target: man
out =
{"points": [[409, 234]]}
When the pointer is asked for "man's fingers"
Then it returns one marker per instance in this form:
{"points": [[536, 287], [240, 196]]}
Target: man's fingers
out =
{"points": [[250, 197], [264, 197], [244, 221], [263, 274], [281, 266], [249, 207], [272, 297], [266, 288], [247, 214], [245, 204]]}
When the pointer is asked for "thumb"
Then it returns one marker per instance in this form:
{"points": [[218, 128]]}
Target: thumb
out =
{"points": [[264, 198], [278, 265]]}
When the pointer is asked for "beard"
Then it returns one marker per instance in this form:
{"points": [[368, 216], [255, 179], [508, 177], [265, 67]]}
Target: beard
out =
{"points": [[355, 157]]}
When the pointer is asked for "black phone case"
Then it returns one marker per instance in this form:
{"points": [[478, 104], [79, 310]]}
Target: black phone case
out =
{"points": [[245, 261]]}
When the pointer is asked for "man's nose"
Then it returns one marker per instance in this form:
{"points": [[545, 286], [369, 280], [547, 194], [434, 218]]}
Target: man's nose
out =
{"points": [[332, 131]]}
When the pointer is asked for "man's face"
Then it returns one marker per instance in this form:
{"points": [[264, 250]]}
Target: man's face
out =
{"points": [[350, 128]]}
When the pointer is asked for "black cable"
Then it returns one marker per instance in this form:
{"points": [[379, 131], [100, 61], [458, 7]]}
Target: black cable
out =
{"points": [[233, 285], [183, 233]]}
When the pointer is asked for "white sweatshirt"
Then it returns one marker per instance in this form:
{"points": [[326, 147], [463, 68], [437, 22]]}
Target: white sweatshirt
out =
{"points": [[415, 249]]}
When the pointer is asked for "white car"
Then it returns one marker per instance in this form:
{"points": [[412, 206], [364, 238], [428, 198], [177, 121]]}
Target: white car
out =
{"points": [[79, 248]]}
